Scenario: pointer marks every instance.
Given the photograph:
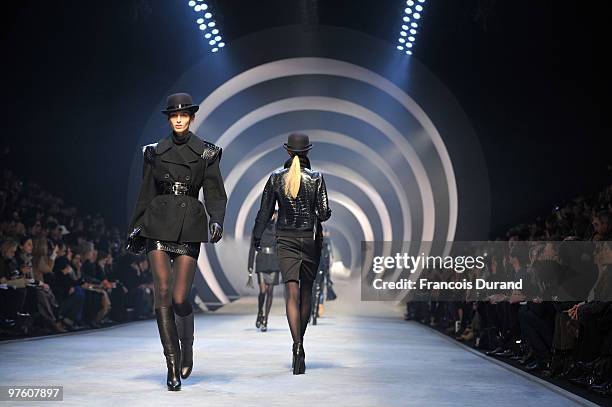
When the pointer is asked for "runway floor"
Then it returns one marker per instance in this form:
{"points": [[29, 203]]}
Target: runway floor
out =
{"points": [[360, 354]]}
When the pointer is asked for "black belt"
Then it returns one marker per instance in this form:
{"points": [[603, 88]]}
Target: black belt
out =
{"points": [[179, 188]]}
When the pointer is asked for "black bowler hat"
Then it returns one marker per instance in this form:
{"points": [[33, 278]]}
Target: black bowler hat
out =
{"points": [[297, 143], [179, 102]]}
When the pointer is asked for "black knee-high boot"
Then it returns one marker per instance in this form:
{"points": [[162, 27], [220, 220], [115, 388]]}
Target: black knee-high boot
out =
{"points": [[184, 327], [170, 343], [260, 304]]}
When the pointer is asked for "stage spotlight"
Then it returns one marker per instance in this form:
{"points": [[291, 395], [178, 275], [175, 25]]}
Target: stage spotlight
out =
{"points": [[221, 44], [413, 11], [205, 21], [215, 49]]}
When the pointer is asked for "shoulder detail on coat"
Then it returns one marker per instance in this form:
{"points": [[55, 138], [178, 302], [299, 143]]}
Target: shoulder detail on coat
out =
{"points": [[163, 145], [279, 170], [149, 151], [312, 173], [210, 151]]}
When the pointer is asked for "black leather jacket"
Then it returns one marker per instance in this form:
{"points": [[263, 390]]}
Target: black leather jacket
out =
{"points": [[296, 216]]}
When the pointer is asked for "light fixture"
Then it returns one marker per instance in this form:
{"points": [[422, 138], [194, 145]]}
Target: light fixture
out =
{"points": [[407, 37], [205, 20]]}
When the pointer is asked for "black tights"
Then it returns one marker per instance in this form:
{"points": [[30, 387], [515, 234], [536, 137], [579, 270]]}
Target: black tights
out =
{"points": [[182, 269], [266, 291], [297, 301]]}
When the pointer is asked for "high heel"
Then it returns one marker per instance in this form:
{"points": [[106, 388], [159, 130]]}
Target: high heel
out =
{"points": [[184, 327], [169, 339], [264, 324], [299, 364], [259, 318]]}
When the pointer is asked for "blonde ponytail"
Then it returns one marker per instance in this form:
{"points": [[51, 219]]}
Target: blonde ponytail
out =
{"points": [[293, 178]]}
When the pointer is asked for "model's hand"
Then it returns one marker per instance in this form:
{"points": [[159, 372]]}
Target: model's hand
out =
{"points": [[257, 244], [250, 281], [216, 232]]}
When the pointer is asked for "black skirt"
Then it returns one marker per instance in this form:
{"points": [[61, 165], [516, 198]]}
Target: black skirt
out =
{"points": [[175, 249], [298, 258]]}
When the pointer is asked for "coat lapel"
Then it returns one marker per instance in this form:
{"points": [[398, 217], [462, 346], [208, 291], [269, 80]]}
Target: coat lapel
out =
{"points": [[189, 155], [196, 145]]}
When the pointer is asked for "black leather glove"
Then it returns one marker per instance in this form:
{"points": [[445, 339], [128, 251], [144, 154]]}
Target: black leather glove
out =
{"points": [[216, 232], [257, 244]]}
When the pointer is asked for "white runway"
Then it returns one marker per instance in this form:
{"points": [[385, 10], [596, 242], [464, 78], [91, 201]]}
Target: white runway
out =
{"points": [[360, 354]]}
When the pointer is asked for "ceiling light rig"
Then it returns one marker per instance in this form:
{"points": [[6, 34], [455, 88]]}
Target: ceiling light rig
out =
{"points": [[410, 25], [207, 24]]}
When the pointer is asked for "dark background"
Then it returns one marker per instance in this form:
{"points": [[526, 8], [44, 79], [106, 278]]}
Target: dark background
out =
{"points": [[81, 78]]}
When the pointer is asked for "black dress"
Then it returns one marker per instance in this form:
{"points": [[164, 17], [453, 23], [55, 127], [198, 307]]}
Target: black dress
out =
{"points": [[168, 209], [298, 227]]}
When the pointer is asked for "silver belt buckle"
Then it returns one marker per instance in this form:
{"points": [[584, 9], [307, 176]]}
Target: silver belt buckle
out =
{"points": [[267, 250], [179, 188]]}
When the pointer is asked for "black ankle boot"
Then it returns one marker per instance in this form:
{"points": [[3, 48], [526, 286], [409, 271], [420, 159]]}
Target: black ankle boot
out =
{"points": [[259, 318], [184, 327], [169, 339], [264, 324], [299, 364]]}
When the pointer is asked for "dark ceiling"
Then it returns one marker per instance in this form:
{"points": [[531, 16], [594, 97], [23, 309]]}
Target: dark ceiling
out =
{"points": [[81, 79]]}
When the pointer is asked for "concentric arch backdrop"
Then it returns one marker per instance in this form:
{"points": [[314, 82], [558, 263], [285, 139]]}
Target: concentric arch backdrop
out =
{"points": [[399, 157]]}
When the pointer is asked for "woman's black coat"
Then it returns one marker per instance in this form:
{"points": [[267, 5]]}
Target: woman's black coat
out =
{"points": [[265, 262], [180, 218]]}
